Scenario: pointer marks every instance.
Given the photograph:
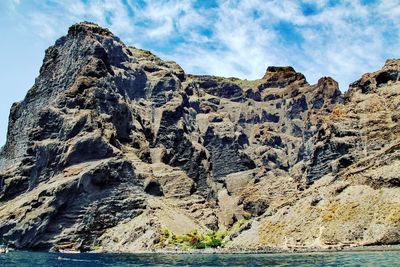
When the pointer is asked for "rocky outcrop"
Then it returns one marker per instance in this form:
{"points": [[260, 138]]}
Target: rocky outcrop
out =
{"points": [[351, 163], [113, 148]]}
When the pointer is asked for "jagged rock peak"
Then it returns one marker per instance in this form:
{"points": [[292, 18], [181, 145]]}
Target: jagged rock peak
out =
{"points": [[88, 27], [283, 76], [328, 83], [286, 69], [370, 82], [392, 63]]}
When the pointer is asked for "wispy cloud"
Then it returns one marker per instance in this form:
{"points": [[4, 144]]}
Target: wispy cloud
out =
{"points": [[342, 39]]}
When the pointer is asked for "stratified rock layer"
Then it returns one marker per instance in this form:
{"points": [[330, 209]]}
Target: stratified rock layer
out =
{"points": [[112, 145]]}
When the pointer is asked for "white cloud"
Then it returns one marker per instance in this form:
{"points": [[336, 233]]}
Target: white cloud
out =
{"points": [[12, 4], [241, 38]]}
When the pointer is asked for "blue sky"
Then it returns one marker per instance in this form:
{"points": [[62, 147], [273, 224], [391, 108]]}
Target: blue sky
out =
{"points": [[342, 39]]}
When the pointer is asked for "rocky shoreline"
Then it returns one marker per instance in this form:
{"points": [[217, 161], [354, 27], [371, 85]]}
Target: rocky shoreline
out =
{"points": [[266, 250]]}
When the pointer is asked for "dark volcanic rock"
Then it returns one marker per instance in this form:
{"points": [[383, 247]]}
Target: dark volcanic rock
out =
{"points": [[112, 146], [282, 77]]}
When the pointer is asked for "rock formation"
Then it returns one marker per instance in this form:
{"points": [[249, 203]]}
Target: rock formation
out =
{"points": [[112, 146]]}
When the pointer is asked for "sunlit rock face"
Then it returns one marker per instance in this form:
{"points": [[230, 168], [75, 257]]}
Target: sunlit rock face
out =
{"points": [[112, 146]]}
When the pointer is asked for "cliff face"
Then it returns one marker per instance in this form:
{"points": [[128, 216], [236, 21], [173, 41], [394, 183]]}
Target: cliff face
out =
{"points": [[112, 146]]}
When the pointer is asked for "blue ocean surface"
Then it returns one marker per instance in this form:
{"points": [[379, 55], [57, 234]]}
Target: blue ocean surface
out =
{"points": [[31, 259]]}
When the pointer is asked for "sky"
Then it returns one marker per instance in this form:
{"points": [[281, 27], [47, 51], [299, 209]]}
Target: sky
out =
{"points": [[342, 39]]}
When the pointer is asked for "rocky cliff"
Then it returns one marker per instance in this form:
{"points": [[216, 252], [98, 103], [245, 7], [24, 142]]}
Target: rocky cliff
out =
{"points": [[114, 148]]}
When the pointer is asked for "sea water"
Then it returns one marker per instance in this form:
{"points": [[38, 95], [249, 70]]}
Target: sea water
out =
{"points": [[32, 259]]}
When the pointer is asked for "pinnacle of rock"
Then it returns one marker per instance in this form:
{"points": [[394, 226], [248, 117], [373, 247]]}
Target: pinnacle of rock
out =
{"points": [[283, 76], [88, 27]]}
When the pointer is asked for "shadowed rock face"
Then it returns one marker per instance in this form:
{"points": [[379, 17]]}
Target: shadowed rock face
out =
{"points": [[112, 144]]}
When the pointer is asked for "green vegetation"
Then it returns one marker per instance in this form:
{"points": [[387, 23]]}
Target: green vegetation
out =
{"points": [[245, 84], [96, 248], [246, 216], [199, 240], [194, 239]]}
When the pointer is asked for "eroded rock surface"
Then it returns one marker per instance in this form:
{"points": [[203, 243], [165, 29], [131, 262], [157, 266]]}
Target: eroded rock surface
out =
{"points": [[112, 145]]}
